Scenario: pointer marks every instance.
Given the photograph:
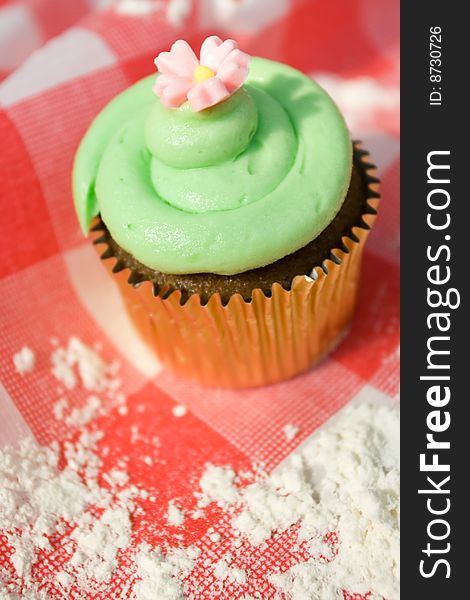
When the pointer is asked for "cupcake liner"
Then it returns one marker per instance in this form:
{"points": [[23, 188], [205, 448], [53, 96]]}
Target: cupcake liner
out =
{"points": [[250, 343]]}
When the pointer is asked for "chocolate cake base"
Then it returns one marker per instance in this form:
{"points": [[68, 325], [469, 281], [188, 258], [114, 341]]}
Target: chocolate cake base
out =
{"points": [[282, 271]]}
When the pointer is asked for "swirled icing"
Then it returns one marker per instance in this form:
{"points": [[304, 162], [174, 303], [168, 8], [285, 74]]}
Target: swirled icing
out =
{"points": [[229, 189]]}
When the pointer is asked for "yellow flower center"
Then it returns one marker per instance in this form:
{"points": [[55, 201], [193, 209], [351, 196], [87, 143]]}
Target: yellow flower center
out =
{"points": [[202, 73]]}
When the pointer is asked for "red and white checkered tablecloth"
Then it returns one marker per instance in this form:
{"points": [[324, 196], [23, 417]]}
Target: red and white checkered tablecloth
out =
{"points": [[61, 62]]}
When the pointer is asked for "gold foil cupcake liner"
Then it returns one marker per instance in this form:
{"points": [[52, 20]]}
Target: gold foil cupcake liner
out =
{"points": [[250, 343]]}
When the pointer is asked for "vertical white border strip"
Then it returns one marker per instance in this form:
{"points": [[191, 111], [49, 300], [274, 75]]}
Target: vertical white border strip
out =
{"points": [[12, 425]]}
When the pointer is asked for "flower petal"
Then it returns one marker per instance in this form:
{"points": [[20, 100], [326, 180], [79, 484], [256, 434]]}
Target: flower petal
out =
{"points": [[181, 60], [163, 81], [172, 90], [207, 94], [241, 58], [234, 70], [214, 51]]}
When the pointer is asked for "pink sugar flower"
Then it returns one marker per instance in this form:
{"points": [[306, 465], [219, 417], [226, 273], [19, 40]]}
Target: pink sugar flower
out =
{"points": [[221, 71]]}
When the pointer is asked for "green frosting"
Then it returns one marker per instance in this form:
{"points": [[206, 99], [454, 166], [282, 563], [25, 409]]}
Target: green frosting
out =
{"points": [[232, 188], [245, 175], [186, 140]]}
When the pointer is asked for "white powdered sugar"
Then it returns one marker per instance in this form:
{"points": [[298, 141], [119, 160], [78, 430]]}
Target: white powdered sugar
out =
{"points": [[290, 431], [217, 485], [342, 485], [273, 504], [179, 410], [78, 363], [24, 360], [38, 499], [224, 572], [49, 491], [161, 575], [175, 516], [33, 492], [116, 477], [60, 408], [24, 555], [64, 579], [353, 468], [79, 417], [77, 366], [345, 480], [98, 542]]}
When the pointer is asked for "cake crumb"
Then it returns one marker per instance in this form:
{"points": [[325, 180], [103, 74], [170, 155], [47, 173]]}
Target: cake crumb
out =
{"points": [[24, 360]]}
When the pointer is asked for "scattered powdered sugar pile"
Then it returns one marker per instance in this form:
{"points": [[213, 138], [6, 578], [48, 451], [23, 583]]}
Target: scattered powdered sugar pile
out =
{"points": [[345, 480], [161, 575], [78, 365], [83, 415], [62, 499], [76, 362], [38, 500], [217, 485], [53, 493]]}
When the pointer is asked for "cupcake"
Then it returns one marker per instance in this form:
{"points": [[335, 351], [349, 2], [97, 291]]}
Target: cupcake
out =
{"points": [[231, 207]]}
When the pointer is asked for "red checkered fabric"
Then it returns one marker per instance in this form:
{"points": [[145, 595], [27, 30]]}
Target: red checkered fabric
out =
{"points": [[53, 285]]}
